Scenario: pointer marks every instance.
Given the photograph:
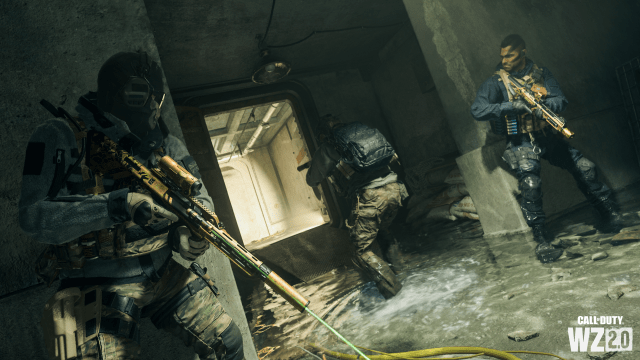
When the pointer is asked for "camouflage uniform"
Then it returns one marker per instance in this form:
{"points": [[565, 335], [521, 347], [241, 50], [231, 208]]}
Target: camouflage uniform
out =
{"points": [[372, 214], [377, 198], [199, 322], [98, 245]]}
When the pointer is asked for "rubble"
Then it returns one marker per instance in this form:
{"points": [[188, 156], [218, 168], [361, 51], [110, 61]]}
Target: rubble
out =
{"points": [[630, 229], [522, 335], [566, 242], [599, 256], [438, 198], [615, 292], [573, 253], [560, 276], [625, 238], [511, 295]]}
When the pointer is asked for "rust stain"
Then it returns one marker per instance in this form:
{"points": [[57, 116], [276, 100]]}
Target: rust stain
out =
{"points": [[301, 155]]}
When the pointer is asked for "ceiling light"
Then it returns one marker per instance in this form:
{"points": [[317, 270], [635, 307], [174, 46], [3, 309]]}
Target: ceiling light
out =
{"points": [[270, 69]]}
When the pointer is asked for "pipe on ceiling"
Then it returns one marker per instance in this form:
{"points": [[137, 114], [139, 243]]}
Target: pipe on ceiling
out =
{"points": [[256, 133]]}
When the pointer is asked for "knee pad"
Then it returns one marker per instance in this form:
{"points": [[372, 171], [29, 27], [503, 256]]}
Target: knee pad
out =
{"points": [[232, 343], [587, 168], [528, 165], [530, 186]]}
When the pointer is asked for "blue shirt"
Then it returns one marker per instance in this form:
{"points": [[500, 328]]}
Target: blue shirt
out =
{"points": [[492, 100]]}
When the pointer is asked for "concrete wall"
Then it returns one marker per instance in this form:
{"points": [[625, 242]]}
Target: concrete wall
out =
{"points": [[344, 94], [409, 101], [54, 51], [581, 42]]}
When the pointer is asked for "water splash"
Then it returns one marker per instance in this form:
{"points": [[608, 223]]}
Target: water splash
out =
{"points": [[442, 294]]}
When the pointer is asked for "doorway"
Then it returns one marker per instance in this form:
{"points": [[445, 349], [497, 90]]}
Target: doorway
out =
{"points": [[259, 149]]}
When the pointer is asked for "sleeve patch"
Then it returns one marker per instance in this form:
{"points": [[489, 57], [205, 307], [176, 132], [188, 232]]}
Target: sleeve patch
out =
{"points": [[34, 159]]}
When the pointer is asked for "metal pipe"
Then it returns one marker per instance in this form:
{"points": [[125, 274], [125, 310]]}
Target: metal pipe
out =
{"points": [[256, 134]]}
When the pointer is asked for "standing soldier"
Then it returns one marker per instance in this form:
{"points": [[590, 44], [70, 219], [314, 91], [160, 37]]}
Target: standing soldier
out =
{"points": [[529, 139], [355, 159], [110, 243]]}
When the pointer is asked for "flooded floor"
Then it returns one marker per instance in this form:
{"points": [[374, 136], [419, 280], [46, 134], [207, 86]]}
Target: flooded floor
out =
{"points": [[457, 291]]}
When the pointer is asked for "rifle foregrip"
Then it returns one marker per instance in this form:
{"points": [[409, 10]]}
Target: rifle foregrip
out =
{"points": [[287, 291]]}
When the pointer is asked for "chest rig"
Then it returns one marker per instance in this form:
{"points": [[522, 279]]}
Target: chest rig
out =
{"points": [[525, 123], [99, 174], [344, 177]]}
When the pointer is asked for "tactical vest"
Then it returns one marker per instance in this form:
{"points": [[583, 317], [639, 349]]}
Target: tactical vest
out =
{"points": [[525, 123], [345, 180], [101, 174]]}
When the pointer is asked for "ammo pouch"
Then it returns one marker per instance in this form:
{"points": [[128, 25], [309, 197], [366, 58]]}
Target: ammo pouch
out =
{"points": [[73, 316], [513, 158], [66, 318], [340, 177], [47, 268]]}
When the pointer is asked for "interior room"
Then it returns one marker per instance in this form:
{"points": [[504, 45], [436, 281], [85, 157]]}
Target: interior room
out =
{"points": [[246, 83]]}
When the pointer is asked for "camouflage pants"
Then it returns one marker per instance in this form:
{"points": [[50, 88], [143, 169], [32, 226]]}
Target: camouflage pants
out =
{"points": [[198, 322], [372, 214]]}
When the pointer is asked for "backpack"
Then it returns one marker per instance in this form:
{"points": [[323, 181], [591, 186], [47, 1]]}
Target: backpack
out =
{"points": [[362, 147]]}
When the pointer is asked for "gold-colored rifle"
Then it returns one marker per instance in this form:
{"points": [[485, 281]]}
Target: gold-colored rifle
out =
{"points": [[534, 99], [174, 186]]}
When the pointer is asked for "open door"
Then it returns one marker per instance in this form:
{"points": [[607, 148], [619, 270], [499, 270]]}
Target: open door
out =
{"points": [[199, 145]]}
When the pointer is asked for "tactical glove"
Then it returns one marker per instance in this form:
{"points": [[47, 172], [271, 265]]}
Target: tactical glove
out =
{"points": [[187, 246], [538, 113], [520, 106], [144, 211]]}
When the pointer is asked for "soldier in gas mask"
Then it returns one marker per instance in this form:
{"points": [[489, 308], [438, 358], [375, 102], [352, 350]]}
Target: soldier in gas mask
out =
{"points": [[355, 159], [110, 243]]}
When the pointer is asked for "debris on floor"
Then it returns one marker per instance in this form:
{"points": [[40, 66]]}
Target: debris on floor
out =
{"points": [[266, 351], [599, 256], [437, 197], [522, 335], [458, 292], [616, 291]]}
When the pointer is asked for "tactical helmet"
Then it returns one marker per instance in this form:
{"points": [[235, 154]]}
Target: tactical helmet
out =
{"points": [[130, 87], [326, 125]]}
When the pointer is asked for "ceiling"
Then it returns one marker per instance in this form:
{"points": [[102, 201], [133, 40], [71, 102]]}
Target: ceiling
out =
{"points": [[213, 42], [230, 131]]}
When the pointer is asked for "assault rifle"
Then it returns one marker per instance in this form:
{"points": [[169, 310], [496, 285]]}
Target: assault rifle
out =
{"points": [[535, 99], [175, 186]]}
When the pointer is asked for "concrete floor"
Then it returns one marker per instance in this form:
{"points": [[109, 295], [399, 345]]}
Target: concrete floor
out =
{"points": [[458, 292]]}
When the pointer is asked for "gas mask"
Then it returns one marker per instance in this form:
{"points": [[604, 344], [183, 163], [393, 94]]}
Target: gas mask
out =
{"points": [[139, 105]]}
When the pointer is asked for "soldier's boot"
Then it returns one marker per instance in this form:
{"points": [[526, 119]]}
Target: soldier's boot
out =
{"points": [[394, 255], [612, 221], [380, 272], [545, 252]]}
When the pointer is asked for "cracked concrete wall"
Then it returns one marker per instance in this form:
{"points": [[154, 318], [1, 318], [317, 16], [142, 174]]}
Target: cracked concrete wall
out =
{"points": [[53, 51], [581, 42], [409, 101]]}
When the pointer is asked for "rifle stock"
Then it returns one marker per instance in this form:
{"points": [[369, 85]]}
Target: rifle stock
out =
{"points": [[205, 226]]}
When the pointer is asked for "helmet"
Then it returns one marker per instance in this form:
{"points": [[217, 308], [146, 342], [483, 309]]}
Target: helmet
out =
{"points": [[325, 127], [130, 87]]}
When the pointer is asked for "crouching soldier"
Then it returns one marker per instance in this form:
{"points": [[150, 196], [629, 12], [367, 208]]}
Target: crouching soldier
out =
{"points": [[355, 159], [110, 243]]}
